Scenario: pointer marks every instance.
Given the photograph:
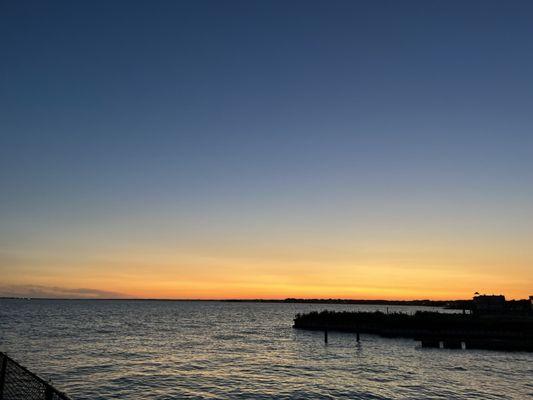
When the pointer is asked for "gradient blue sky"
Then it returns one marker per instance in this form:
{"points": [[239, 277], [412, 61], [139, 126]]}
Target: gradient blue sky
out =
{"points": [[223, 148]]}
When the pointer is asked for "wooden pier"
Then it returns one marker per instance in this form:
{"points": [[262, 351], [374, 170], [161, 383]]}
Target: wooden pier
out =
{"points": [[432, 329]]}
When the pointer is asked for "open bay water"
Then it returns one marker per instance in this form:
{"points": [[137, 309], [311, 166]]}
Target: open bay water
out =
{"points": [[120, 349]]}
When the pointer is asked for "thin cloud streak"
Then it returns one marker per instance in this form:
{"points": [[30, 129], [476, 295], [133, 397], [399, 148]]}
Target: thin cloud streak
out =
{"points": [[57, 292]]}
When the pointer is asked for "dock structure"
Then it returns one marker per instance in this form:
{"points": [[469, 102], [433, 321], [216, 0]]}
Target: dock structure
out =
{"points": [[440, 330], [19, 383]]}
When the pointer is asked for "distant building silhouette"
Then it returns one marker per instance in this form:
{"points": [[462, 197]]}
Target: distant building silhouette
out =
{"points": [[488, 304]]}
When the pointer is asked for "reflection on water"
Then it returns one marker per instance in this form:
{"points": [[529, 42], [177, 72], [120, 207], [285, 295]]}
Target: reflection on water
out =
{"points": [[167, 350]]}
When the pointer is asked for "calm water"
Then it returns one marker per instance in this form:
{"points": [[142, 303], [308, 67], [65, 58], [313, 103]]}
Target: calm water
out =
{"points": [[174, 350]]}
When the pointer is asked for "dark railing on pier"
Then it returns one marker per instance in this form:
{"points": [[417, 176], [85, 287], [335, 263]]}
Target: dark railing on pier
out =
{"points": [[18, 383]]}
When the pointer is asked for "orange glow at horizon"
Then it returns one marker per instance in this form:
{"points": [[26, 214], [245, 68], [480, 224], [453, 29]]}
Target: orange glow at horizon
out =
{"points": [[175, 276]]}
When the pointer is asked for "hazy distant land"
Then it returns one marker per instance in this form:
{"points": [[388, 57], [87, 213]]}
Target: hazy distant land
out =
{"points": [[423, 303]]}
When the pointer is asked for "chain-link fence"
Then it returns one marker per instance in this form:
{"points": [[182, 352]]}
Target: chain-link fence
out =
{"points": [[18, 383]]}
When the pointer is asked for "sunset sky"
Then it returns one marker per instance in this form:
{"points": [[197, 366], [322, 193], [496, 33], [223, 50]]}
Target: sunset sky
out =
{"points": [[255, 149]]}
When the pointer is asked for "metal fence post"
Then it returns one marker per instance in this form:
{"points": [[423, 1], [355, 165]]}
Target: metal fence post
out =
{"points": [[3, 375], [48, 393]]}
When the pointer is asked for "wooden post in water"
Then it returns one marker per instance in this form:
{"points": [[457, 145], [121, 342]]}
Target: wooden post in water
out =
{"points": [[326, 335], [357, 336]]}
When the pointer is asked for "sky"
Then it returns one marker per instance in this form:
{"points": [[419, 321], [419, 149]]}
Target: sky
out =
{"points": [[252, 149]]}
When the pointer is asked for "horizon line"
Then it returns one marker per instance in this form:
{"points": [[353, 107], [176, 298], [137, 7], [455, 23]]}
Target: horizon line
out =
{"points": [[287, 299]]}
